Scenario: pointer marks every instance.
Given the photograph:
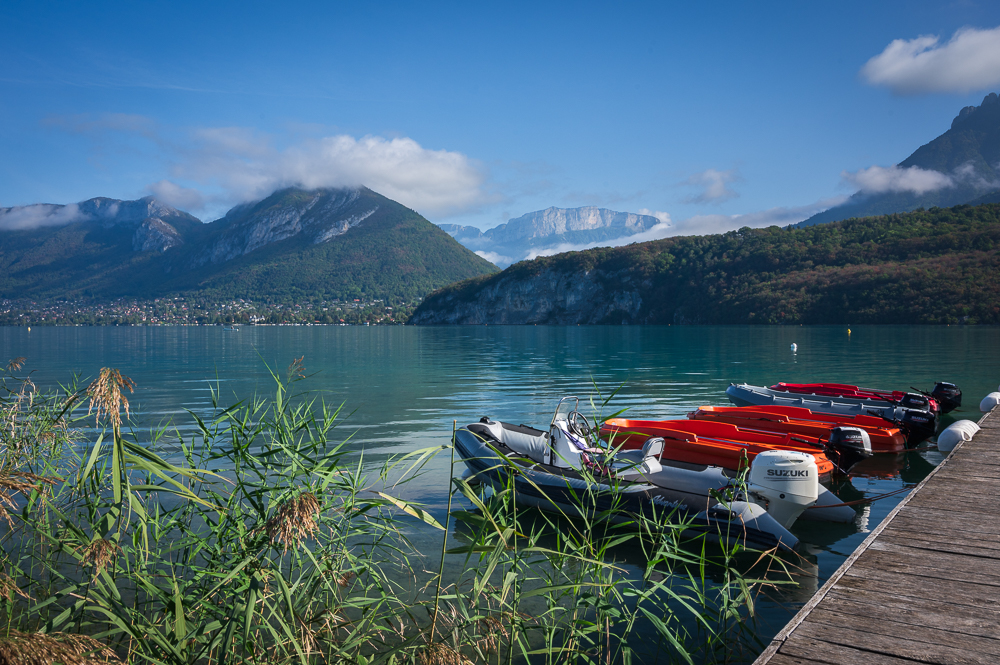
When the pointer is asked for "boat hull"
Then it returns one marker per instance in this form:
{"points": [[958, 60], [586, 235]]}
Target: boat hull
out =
{"points": [[570, 494]]}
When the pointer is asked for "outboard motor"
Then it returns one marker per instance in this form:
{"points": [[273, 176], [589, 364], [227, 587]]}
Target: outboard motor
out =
{"points": [[916, 401], [917, 425], [947, 395], [786, 481], [848, 446]]}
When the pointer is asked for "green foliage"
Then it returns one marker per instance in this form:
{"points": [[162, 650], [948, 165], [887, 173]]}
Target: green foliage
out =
{"points": [[273, 542], [928, 266]]}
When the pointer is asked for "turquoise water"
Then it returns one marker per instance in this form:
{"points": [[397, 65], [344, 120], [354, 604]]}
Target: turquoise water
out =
{"points": [[405, 385]]}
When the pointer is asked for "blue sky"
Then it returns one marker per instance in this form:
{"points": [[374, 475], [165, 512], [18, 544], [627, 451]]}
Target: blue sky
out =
{"points": [[474, 113]]}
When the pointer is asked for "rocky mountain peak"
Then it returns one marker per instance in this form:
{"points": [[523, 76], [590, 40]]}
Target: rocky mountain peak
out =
{"points": [[990, 107]]}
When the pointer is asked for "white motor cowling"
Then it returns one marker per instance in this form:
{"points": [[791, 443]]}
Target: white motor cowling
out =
{"points": [[956, 433], [787, 481], [990, 402]]}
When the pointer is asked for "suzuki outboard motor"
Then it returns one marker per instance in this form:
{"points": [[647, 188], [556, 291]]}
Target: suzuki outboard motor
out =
{"points": [[947, 395], [848, 446], [917, 425], [916, 401], [787, 482]]}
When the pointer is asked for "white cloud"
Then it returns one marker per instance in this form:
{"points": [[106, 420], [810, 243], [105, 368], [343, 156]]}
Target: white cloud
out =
{"points": [[714, 186], [246, 166], [970, 60], [494, 258], [879, 180], [664, 217], [782, 216], [38, 215], [177, 196]]}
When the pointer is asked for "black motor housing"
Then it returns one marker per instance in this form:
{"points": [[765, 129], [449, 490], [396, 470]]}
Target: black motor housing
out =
{"points": [[915, 401], [917, 425], [847, 446], [948, 395]]}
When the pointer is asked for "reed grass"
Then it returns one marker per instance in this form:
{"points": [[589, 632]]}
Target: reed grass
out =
{"points": [[275, 541]]}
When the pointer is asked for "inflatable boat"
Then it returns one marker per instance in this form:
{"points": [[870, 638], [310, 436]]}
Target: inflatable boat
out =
{"points": [[727, 445], [918, 424], [944, 398], [559, 471], [884, 437]]}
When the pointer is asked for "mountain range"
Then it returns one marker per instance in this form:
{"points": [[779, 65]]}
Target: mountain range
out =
{"points": [[550, 231], [331, 243], [932, 266], [960, 166]]}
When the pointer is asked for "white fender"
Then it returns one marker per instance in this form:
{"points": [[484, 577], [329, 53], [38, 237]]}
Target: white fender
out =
{"points": [[956, 433], [990, 402]]}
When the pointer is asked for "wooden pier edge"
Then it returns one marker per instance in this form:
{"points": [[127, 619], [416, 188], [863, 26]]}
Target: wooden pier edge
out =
{"points": [[801, 615]]}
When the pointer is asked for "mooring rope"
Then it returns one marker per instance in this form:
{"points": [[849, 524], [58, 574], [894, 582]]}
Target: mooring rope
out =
{"points": [[865, 500]]}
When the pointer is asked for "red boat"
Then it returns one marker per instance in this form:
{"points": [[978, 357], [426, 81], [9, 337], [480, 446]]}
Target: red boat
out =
{"points": [[908, 400], [724, 445], [803, 422]]}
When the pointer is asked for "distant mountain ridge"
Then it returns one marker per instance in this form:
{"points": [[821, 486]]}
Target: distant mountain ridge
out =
{"points": [[550, 229], [295, 243], [968, 155]]}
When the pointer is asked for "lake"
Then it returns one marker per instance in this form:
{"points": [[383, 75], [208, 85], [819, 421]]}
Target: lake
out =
{"points": [[404, 386]]}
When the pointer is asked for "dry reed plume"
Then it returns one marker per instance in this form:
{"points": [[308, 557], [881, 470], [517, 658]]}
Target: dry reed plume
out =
{"points": [[100, 553], [18, 482], [8, 588], [296, 370], [106, 395], [16, 363], [438, 653], [44, 649], [294, 520]]}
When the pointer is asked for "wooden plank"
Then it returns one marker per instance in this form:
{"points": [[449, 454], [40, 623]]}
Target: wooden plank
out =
{"points": [[781, 659], [921, 651], [961, 511], [936, 518], [813, 650], [904, 632], [958, 593], [958, 570], [904, 554], [955, 543], [915, 611]]}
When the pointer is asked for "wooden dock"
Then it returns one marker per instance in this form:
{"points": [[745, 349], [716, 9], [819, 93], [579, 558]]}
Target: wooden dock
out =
{"points": [[924, 587]]}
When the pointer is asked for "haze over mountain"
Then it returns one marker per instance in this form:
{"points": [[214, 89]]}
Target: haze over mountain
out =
{"points": [[960, 166], [551, 231], [333, 243]]}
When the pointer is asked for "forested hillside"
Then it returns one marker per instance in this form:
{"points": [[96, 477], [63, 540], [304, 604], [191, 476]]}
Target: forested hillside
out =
{"points": [[935, 266]]}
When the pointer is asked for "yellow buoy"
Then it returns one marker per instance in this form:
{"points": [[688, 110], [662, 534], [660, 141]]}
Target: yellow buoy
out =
{"points": [[848, 331]]}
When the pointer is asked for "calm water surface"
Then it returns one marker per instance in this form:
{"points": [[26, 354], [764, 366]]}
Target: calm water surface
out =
{"points": [[405, 385]]}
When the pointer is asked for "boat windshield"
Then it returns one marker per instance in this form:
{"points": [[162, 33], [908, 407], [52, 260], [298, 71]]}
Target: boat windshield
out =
{"points": [[566, 406]]}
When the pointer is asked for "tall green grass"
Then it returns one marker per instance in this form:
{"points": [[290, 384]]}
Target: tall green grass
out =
{"points": [[276, 541]]}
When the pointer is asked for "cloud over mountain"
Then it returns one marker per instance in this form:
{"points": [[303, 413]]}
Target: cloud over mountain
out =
{"points": [[879, 180], [970, 60], [23, 218], [714, 186], [247, 166]]}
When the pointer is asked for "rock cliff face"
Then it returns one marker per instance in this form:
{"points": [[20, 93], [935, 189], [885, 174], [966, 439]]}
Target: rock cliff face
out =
{"points": [[155, 235], [551, 296], [321, 214], [550, 230]]}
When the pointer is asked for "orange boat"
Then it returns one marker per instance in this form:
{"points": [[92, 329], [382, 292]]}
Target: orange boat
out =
{"points": [[724, 445], [799, 421]]}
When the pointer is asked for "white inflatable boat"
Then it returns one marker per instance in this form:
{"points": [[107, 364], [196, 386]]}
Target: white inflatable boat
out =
{"points": [[558, 471]]}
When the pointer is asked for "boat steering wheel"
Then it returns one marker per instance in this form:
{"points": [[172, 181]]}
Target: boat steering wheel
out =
{"points": [[578, 424]]}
